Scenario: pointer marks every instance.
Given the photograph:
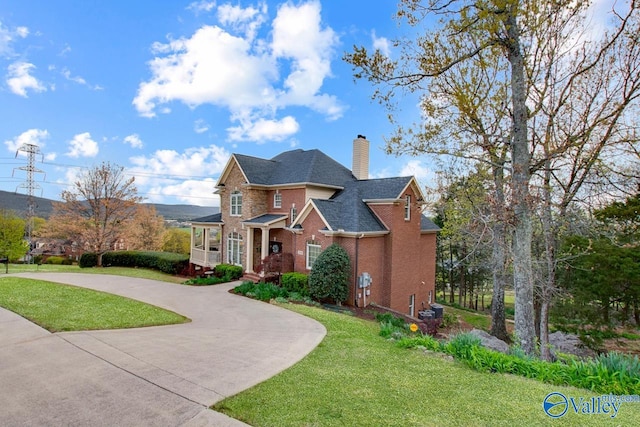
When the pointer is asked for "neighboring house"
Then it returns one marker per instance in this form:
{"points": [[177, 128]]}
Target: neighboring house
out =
{"points": [[300, 202], [47, 247]]}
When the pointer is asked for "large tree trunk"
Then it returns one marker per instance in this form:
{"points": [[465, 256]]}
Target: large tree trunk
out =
{"points": [[549, 284], [499, 257], [521, 162]]}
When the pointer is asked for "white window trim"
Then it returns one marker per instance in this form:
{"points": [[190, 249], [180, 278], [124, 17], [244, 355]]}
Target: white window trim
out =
{"points": [[312, 245], [235, 246], [407, 208], [235, 208], [277, 200]]}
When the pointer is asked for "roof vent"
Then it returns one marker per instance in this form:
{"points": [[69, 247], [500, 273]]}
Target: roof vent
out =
{"points": [[360, 167]]}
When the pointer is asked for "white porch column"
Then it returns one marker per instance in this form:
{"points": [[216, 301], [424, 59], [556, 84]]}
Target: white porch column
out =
{"points": [[249, 249], [265, 243]]}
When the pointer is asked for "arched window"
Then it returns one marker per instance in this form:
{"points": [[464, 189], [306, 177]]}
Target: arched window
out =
{"points": [[235, 249]]}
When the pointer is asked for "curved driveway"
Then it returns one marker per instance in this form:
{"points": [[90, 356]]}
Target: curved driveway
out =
{"points": [[166, 375]]}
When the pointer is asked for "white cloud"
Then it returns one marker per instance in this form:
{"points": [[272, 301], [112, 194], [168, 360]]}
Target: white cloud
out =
{"points": [[76, 79], [382, 44], [82, 146], [200, 126], [244, 20], [22, 31], [133, 140], [197, 161], [79, 80], [65, 50], [192, 192], [31, 136], [201, 6], [7, 37], [234, 69], [264, 130], [190, 176], [210, 67], [417, 169], [299, 36], [20, 80]]}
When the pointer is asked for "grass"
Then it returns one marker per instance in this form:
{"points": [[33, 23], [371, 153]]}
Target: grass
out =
{"points": [[58, 307], [356, 378], [142, 273]]}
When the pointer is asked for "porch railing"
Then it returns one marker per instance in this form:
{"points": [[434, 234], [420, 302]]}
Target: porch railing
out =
{"points": [[205, 258]]}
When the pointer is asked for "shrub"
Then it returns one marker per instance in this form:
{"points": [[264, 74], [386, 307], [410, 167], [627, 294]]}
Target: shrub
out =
{"points": [[329, 277], [296, 282], [390, 318], [460, 345], [231, 272], [206, 281], [58, 260], [166, 262], [88, 260], [424, 341], [261, 291]]}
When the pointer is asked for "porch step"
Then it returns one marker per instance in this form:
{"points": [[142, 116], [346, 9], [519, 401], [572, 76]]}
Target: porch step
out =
{"points": [[252, 277]]}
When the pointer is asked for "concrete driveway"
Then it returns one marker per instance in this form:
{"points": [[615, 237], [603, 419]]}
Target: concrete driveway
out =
{"points": [[166, 375]]}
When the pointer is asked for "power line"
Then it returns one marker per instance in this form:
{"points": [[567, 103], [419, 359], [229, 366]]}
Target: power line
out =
{"points": [[30, 184]]}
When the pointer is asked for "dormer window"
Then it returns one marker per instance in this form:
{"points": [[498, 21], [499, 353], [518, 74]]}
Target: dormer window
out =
{"points": [[236, 204], [277, 200], [407, 208]]}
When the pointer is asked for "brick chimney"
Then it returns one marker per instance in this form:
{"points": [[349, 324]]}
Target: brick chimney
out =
{"points": [[360, 167]]}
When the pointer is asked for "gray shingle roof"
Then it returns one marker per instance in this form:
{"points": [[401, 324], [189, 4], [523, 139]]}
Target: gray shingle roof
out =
{"points": [[265, 219], [347, 211], [427, 225], [215, 218], [311, 166]]}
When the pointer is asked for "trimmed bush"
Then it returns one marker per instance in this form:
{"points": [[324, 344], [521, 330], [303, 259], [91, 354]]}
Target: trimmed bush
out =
{"points": [[296, 282], [88, 260], [58, 260], [232, 272], [166, 262], [329, 276], [222, 273]]}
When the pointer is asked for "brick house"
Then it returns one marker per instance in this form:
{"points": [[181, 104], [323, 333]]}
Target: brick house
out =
{"points": [[300, 202]]}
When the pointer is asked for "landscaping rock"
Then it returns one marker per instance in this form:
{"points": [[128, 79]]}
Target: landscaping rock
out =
{"points": [[491, 342], [569, 344]]}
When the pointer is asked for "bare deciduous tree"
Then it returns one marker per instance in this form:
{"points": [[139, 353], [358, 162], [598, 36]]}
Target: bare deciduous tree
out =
{"points": [[96, 209]]}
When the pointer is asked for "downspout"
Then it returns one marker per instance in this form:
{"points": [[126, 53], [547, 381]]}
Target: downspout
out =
{"points": [[355, 273]]}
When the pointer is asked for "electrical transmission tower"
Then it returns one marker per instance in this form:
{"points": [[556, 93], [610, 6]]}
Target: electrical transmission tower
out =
{"points": [[30, 184]]}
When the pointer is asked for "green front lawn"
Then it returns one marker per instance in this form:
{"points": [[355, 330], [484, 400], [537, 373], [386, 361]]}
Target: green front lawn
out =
{"points": [[356, 378], [142, 273], [58, 307]]}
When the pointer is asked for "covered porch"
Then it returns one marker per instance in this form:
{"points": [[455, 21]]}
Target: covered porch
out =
{"points": [[260, 242], [206, 249]]}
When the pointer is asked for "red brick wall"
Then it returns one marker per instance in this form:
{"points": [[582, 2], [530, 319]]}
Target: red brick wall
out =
{"points": [[311, 231], [370, 259], [409, 258], [290, 197]]}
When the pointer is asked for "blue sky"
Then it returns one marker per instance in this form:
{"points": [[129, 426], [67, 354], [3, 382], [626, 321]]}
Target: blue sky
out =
{"points": [[170, 89]]}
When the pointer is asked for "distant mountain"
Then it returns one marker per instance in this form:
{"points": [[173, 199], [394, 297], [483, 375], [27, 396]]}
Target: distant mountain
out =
{"points": [[183, 212], [19, 202]]}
